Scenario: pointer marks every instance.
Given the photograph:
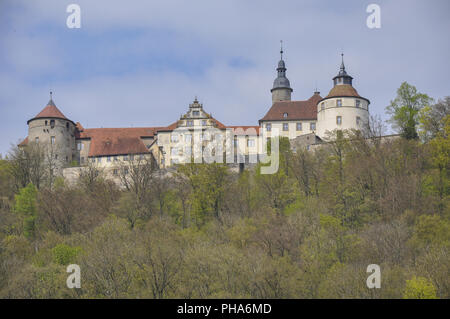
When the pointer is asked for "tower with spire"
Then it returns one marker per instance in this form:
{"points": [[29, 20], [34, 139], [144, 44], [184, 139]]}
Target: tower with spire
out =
{"points": [[281, 90], [343, 108]]}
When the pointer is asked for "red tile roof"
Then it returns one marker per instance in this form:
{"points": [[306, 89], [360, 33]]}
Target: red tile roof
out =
{"points": [[343, 90], [117, 141], [296, 110], [24, 142], [50, 111], [245, 130]]}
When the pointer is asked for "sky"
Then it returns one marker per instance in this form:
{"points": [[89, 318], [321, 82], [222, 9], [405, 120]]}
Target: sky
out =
{"points": [[140, 63]]}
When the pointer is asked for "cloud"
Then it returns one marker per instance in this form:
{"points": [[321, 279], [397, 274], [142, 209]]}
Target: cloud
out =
{"points": [[141, 63]]}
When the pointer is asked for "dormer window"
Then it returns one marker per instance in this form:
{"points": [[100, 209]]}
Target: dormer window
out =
{"points": [[195, 113], [285, 115]]}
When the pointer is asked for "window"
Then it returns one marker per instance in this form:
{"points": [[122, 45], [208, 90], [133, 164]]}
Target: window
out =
{"points": [[339, 102], [299, 126], [125, 170], [268, 127], [79, 146], [116, 158], [312, 126], [141, 157], [67, 159], [188, 138], [52, 140], [46, 122], [188, 150], [285, 115], [115, 171], [108, 159], [52, 123], [131, 157], [196, 113], [250, 143], [285, 126], [190, 123], [204, 122], [67, 126], [322, 106], [358, 120], [56, 156], [99, 159], [36, 140], [338, 120], [125, 157], [235, 141], [174, 138], [174, 151], [358, 103]]}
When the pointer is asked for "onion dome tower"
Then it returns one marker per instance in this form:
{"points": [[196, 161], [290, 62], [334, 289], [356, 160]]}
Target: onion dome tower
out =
{"points": [[281, 90]]}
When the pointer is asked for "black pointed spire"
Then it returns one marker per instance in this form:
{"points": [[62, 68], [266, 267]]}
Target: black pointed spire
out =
{"points": [[342, 69], [281, 49], [342, 77], [281, 81], [51, 99]]}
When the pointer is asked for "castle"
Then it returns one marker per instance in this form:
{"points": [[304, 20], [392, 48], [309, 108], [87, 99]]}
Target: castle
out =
{"points": [[343, 108]]}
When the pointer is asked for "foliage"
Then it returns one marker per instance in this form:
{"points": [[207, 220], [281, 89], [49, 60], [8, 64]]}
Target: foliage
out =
{"points": [[419, 288]]}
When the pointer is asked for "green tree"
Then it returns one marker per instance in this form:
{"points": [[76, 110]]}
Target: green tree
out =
{"points": [[419, 288], [26, 206], [404, 109]]}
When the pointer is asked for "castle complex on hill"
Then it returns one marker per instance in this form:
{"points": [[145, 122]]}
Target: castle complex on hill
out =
{"points": [[343, 108]]}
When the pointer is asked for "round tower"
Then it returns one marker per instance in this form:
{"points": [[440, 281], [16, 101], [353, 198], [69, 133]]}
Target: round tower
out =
{"points": [[281, 90], [56, 133], [343, 108]]}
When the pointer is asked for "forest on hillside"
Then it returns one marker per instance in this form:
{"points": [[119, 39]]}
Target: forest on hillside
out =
{"points": [[308, 231]]}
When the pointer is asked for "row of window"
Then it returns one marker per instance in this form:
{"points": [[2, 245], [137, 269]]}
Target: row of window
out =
{"points": [[339, 120], [174, 151], [117, 158], [298, 126], [191, 123], [52, 140], [339, 104]]}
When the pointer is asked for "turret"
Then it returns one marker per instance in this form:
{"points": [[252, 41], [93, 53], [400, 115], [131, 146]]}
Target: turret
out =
{"points": [[56, 133], [281, 90], [343, 108]]}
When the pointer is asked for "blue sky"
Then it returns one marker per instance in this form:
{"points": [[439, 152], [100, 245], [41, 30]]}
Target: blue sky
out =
{"points": [[140, 63]]}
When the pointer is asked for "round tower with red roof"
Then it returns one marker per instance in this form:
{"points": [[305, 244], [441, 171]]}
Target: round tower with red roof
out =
{"points": [[54, 132]]}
